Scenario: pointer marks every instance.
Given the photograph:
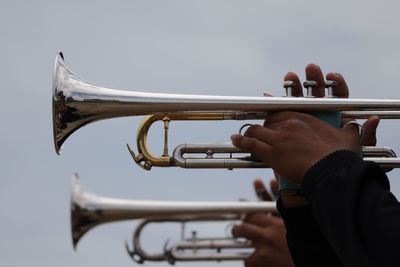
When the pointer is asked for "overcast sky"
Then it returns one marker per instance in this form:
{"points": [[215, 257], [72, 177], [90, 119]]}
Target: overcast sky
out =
{"points": [[190, 47]]}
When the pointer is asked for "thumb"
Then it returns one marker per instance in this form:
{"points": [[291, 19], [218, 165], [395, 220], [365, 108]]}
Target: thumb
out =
{"points": [[369, 131], [354, 133], [352, 127]]}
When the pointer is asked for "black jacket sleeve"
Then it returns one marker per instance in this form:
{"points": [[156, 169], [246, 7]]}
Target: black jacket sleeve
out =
{"points": [[355, 211], [308, 247]]}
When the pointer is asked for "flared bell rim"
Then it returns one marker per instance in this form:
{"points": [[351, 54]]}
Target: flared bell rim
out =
{"points": [[79, 225], [59, 59]]}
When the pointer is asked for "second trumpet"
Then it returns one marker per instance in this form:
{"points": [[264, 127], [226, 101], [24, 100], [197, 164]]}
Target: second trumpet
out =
{"points": [[89, 210]]}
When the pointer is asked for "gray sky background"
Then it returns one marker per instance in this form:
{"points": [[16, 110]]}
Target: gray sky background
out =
{"points": [[192, 47]]}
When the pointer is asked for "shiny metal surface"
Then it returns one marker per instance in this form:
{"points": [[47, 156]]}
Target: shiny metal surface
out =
{"points": [[195, 248], [234, 250], [225, 155], [191, 248], [89, 210], [220, 155], [77, 103], [212, 158]]}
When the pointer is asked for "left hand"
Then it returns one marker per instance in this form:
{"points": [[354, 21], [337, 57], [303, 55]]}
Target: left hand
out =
{"points": [[266, 232], [292, 142], [267, 235]]}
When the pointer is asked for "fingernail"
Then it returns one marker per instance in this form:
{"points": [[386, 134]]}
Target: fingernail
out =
{"points": [[235, 138], [234, 230], [338, 75]]}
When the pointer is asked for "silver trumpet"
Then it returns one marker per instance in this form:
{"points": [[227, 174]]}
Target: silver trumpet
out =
{"points": [[89, 210], [77, 103]]}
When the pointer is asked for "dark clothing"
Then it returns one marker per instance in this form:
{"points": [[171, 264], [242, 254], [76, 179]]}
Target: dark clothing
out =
{"points": [[352, 220]]}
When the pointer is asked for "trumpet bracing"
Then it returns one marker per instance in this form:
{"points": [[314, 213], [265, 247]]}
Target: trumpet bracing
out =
{"points": [[89, 210], [77, 103]]}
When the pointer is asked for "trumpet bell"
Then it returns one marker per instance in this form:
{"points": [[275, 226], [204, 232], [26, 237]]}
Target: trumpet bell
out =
{"points": [[83, 218], [58, 138], [76, 103], [68, 113]]}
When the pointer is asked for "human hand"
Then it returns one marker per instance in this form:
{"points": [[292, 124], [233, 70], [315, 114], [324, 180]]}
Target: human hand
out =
{"points": [[262, 193], [292, 142], [313, 73], [266, 232], [276, 143]]}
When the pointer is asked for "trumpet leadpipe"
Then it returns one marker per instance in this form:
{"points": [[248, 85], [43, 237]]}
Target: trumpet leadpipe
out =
{"points": [[363, 114]]}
